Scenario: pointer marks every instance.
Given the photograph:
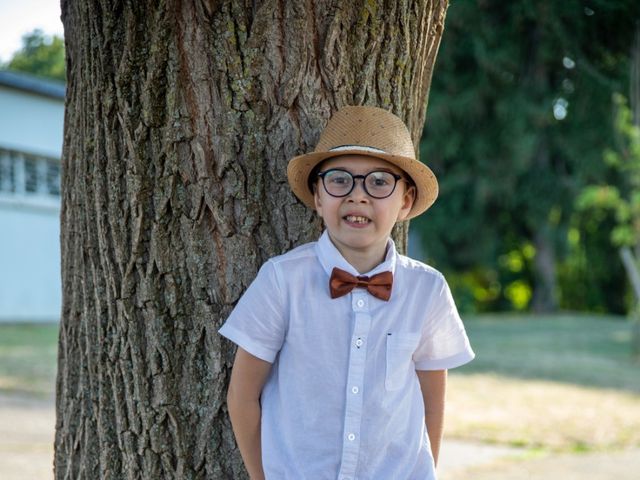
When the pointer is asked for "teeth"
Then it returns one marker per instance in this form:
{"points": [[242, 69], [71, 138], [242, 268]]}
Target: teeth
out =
{"points": [[356, 219]]}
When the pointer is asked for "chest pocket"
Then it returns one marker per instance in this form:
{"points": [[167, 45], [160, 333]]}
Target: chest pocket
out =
{"points": [[400, 348]]}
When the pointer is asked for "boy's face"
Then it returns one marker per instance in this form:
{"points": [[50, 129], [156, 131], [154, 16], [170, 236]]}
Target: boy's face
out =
{"points": [[358, 223]]}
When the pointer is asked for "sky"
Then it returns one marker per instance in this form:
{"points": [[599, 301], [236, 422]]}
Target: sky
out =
{"points": [[18, 17]]}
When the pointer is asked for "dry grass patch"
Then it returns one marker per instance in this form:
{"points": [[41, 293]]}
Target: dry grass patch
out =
{"points": [[541, 414]]}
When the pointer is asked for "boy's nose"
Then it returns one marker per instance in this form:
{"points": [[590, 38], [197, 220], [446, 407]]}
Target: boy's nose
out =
{"points": [[358, 193]]}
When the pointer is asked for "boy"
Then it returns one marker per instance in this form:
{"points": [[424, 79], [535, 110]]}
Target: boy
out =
{"points": [[343, 343]]}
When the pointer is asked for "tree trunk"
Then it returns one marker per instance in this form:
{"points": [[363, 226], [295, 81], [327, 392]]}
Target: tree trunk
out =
{"points": [[629, 258], [545, 287], [181, 117], [545, 298], [540, 198]]}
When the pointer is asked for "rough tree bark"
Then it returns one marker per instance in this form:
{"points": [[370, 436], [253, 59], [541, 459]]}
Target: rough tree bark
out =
{"points": [[180, 119]]}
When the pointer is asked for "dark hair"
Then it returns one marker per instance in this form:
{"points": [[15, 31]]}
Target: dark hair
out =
{"points": [[313, 176], [409, 180]]}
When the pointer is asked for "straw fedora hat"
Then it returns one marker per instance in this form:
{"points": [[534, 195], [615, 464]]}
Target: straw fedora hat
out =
{"points": [[372, 132]]}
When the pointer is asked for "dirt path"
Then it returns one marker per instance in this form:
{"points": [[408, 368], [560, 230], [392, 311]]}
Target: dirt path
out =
{"points": [[457, 457], [26, 438], [27, 431], [464, 461]]}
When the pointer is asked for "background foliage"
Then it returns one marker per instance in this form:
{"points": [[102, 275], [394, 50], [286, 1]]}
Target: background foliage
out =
{"points": [[520, 115], [40, 55], [521, 122]]}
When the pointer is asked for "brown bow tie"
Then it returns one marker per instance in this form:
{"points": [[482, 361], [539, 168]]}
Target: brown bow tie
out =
{"points": [[379, 285]]}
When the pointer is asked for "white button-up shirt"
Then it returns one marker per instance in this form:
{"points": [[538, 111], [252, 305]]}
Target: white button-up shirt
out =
{"points": [[342, 400]]}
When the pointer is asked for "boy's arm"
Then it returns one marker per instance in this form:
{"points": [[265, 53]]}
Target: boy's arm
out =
{"points": [[433, 384], [248, 377]]}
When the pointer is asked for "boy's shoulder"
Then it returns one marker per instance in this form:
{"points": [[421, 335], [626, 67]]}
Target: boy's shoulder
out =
{"points": [[414, 267], [300, 252]]}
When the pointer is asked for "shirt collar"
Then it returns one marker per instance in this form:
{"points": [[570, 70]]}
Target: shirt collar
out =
{"points": [[330, 257]]}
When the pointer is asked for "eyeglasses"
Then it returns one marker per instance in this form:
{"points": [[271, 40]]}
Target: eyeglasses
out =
{"points": [[377, 184]]}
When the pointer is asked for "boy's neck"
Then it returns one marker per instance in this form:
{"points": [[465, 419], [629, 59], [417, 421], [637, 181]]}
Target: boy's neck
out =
{"points": [[362, 260], [365, 265]]}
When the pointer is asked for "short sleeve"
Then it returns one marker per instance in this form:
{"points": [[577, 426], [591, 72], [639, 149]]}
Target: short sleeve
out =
{"points": [[258, 322], [444, 343]]}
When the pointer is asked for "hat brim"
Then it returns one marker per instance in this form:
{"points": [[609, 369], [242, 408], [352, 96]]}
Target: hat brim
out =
{"points": [[300, 168]]}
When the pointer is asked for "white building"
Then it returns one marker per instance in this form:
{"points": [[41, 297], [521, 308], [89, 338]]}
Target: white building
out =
{"points": [[31, 129]]}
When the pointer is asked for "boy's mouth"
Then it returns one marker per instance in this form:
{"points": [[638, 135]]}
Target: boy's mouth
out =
{"points": [[357, 219]]}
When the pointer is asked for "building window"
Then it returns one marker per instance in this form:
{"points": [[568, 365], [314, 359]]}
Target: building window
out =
{"points": [[7, 173], [28, 175]]}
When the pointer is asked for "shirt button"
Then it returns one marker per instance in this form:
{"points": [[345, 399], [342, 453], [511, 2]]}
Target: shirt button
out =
{"points": [[355, 389], [360, 303], [359, 342], [351, 437]]}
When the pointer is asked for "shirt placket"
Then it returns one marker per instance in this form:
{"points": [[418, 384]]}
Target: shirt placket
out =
{"points": [[360, 301]]}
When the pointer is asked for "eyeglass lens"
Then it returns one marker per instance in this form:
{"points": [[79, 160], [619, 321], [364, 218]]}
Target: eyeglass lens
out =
{"points": [[378, 184]]}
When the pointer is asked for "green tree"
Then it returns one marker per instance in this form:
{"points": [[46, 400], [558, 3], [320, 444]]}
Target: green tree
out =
{"points": [[517, 122], [40, 55], [623, 198]]}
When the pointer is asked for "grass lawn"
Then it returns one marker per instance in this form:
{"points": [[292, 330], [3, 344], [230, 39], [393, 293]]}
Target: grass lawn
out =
{"points": [[563, 382], [28, 356], [588, 350], [560, 383]]}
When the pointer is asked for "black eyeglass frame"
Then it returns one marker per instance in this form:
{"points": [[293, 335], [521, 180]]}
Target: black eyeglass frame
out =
{"points": [[395, 176]]}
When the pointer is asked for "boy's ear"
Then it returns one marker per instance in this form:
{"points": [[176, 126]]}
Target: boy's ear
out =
{"points": [[407, 202], [316, 199]]}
